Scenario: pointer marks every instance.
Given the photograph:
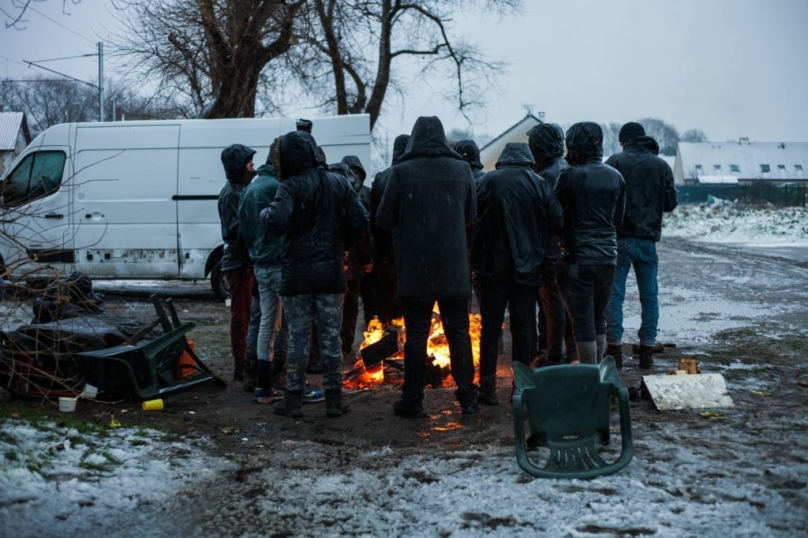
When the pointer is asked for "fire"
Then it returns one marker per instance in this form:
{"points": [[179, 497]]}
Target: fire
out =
{"points": [[437, 347]]}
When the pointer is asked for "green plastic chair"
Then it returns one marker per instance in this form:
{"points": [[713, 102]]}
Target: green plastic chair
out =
{"points": [[147, 367], [568, 409]]}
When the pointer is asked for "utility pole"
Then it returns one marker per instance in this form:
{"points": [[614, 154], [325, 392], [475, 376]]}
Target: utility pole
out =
{"points": [[100, 81]]}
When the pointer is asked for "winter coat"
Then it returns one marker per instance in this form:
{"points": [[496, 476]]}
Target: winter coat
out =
{"points": [[263, 244], [320, 215], [429, 200], [516, 212], [592, 196], [649, 188], [382, 238], [546, 141], [235, 254], [360, 254]]}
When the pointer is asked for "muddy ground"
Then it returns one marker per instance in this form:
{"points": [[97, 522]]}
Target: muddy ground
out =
{"points": [[739, 314]]}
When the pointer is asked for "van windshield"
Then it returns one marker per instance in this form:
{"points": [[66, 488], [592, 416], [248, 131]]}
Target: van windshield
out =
{"points": [[37, 175]]}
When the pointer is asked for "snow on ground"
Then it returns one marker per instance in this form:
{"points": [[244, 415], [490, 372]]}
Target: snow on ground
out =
{"points": [[55, 477], [124, 482], [728, 223]]}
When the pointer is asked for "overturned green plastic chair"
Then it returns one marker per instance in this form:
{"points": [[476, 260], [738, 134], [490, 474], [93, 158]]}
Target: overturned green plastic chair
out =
{"points": [[568, 409], [148, 367]]}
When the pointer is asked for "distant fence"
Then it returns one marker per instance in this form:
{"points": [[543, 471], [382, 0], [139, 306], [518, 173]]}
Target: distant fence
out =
{"points": [[789, 194]]}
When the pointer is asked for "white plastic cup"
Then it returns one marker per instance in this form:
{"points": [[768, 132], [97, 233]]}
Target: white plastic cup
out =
{"points": [[67, 405], [90, 392]]}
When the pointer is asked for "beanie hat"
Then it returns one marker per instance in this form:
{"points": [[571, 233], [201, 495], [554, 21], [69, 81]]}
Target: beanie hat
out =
{"points": [[630, 130]]}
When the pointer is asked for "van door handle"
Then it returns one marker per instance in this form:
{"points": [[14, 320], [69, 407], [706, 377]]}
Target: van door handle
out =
{"points": [[54, 216]]}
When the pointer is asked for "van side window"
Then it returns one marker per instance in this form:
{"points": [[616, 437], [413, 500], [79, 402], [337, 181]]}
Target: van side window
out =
{"points": [[38, 175]]}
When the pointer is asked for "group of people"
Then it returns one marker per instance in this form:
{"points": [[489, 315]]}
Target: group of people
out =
{"points": [[552, 224]]}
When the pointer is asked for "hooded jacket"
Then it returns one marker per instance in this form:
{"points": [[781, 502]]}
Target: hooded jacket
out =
{"points": [[235, 254], [360, 253], [649, 188], [358, 181], [517, 211], [429, 201], [383, 239], [546, 142], [471, 154], [264, 245], [320, 216], [592, 196]]}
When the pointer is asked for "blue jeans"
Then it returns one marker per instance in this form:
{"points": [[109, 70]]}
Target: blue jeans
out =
{"points": [[269, 283], [640, 253]]}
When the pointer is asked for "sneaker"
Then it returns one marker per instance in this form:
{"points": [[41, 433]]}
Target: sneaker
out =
{"points": [[265, 396], [311, 395]]}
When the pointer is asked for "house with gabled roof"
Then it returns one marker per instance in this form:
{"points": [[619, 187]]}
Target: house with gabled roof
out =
{"points": [[749, 162], [14, 137], [516, 133]]}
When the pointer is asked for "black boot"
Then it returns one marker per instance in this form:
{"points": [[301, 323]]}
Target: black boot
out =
{"points": [[646, 357], [334, 406], [488, 392], [291, 405], [468, 401], [407, 409], [250, 375], [616, 352]]}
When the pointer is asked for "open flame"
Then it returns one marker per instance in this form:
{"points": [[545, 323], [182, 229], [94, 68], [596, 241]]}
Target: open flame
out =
{"points": [[437, 348]]}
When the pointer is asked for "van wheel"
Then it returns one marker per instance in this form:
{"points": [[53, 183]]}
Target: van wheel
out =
{"points": [[219, 283]]}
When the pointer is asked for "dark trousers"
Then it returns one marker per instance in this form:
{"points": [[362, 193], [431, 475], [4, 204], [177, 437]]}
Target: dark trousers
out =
{"points": [[350, 311], [418, 319], [587, 289], [554, 319], [520, 300], [367, 290], [389, 306], [240, 282]]}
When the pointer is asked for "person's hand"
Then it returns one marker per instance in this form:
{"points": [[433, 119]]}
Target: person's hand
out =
{"points": [[367, 268]]}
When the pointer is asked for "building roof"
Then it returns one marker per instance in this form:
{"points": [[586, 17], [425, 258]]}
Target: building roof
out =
{"points": [[718, 180], [745, 160], [490, 152], [10, 125]]}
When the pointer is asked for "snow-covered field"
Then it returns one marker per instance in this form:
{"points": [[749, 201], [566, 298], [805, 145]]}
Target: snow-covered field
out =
{"points": [[726, 223]]}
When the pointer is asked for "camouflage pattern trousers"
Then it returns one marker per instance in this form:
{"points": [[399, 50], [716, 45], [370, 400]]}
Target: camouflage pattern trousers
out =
{"points": [[324, 310]]}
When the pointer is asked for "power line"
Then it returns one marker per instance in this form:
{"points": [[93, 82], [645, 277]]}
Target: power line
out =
{"points": [[67, 58], [62, 25], [13, 61]]}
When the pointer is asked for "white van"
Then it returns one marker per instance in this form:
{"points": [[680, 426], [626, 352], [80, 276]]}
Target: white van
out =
{"points": [[137, 199]]}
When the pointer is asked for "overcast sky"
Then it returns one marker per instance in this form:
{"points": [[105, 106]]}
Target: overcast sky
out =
{"points": [[729, 67]]}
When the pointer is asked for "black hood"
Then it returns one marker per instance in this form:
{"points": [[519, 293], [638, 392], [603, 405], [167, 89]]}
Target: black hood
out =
{"points": [[515, 154], [428, 140], [298, 153], [643, 143], [400, 146], [546, 141], [341, 169], [470, 152], [352, 161], [234, 160], [584, 143]]}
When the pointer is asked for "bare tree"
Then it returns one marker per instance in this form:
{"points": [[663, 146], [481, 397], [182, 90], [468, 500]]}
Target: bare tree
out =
{"points": [[352, 46], [666, 135], [694, 135], [207, 55], [15, 12], [611, 139], [47, 102]]}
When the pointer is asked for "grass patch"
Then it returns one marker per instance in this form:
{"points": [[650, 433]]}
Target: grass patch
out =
{"points": [[737, 334]]}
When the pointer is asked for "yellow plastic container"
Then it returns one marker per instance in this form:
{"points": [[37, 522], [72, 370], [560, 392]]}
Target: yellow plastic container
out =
{"points": [[153, 405]]}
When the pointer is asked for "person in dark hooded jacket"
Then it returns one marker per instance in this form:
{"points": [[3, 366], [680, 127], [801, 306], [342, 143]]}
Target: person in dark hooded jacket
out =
{"points": [[592, 196], [238, 165], [367, 276], [471, 154], [517, 212], [430, 201], [389, 307], [649, 193], [320, 217], [546, 141]]}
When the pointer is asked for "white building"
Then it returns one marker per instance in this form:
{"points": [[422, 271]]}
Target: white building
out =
{"points": [[748, 162], [14, 137], [489, 154]]}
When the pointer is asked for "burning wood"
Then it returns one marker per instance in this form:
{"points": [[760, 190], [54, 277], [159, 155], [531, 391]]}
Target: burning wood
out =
{"points": [[381, 355]]}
